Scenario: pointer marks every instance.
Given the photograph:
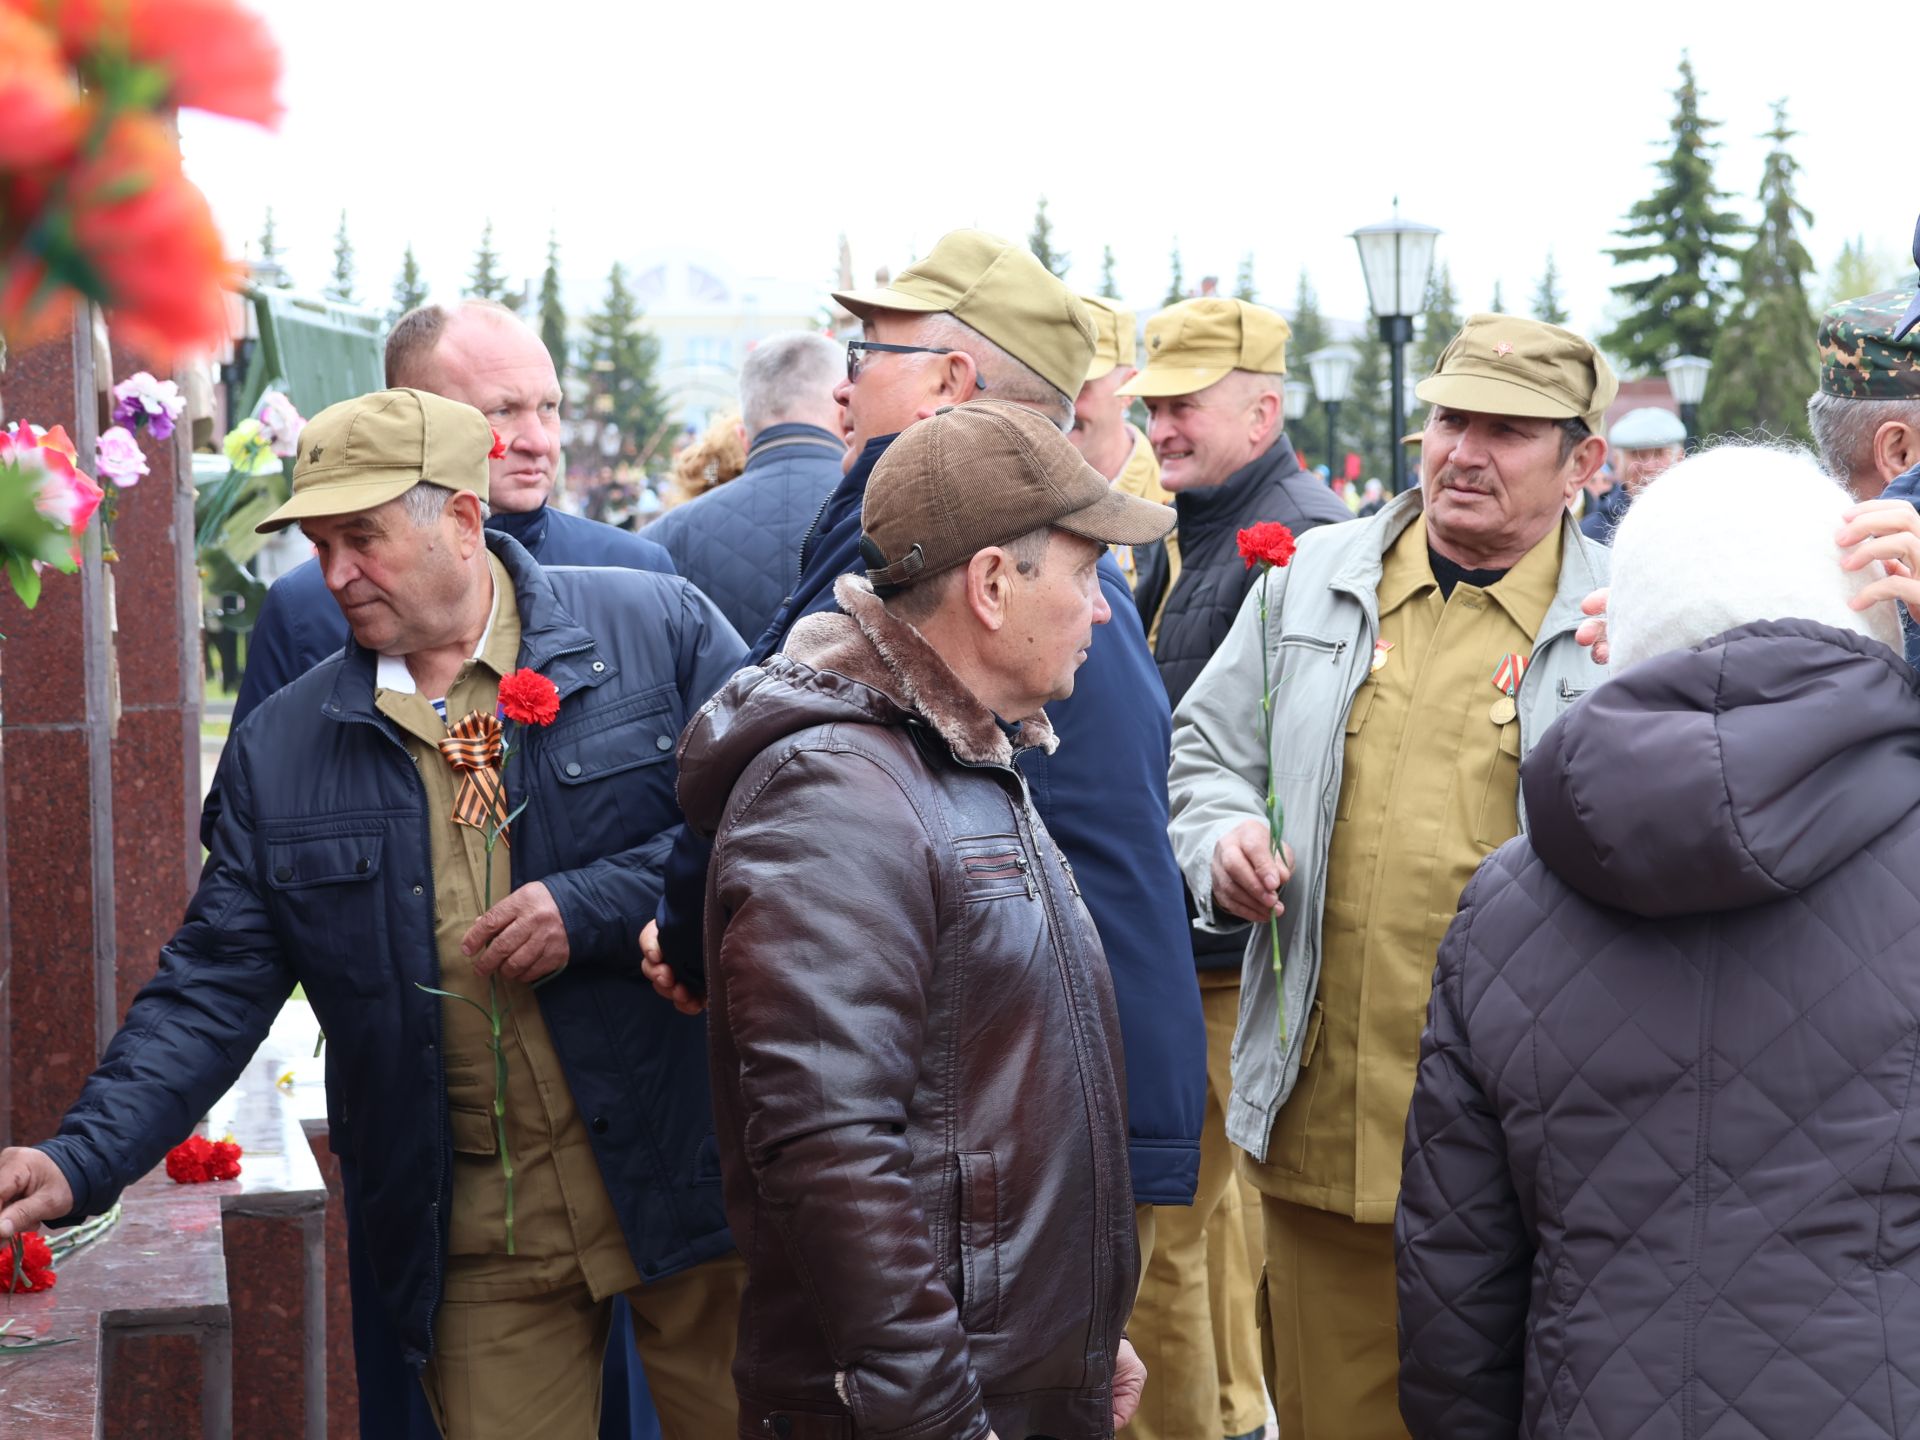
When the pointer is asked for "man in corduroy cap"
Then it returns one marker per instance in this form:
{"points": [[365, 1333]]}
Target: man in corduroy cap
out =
{"points": [[916, 1054], [1414, 658]]}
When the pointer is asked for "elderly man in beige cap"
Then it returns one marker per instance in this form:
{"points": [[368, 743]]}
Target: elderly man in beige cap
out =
{"points": [[349, 852], [1414, 657], [1112, 444]]}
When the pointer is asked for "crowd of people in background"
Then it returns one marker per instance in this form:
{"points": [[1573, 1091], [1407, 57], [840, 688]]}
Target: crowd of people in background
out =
{"points": [[888, 1011]]}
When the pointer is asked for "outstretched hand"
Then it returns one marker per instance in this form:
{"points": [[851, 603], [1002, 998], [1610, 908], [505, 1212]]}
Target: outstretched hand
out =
{"points": [[32, 1190]]}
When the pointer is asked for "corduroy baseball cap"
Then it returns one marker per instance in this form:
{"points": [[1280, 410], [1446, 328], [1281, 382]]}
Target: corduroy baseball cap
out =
{"points": [[1506, 365], [1114, 342], [980, 474], [363, 452], [1001, 291], [1199, 342]]}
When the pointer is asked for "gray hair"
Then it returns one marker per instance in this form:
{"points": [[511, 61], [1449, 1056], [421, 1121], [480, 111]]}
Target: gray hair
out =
{"points": [[1004, 377], [426, 502], [789, 377], [917, 603], [1844, 427]]}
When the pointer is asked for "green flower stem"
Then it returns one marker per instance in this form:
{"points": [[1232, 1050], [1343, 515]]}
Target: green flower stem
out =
{"points": [[1276, 817]]}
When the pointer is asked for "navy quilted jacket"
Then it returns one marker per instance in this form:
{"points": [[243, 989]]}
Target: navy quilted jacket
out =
{"points": [[1663, 1158], [741, 542]]}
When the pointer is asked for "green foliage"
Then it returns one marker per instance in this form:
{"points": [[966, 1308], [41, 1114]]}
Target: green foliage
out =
{"points": [[409, 287], [1766, 362], [1858, 271], [486, 282], [26, 535], [1547, 304], [1108, 287], [623, 357], [1243, 288], [270, 255], [553, 315], [1499, 306], [1040, 242], [1683, 233], [1441, 315], [1309, 334], [1177, 284], [340, 286]]}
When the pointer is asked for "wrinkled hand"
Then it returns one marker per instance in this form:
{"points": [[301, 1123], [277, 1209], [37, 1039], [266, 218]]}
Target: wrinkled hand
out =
{"points": [[1887, 531], [1593, 631], [32, 1189], [654, 966], [1129, 1378], [529, 939], [1247, 876]]}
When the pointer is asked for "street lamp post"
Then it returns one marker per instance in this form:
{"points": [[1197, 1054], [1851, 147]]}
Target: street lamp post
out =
{"points": [[1687, 378], [1332, 370], [1396, 255]]}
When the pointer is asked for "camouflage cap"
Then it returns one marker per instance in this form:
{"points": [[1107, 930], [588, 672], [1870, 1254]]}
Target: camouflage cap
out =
{"points": [[1859, 356], [1912, 317]]}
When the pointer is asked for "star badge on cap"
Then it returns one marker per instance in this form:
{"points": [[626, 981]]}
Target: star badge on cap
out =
{"points": [[313, 455], [1503, 348]]}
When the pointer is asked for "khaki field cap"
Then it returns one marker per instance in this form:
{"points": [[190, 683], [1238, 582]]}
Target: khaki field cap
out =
{"points": [[1001, 291], [981, 474], [363, 452], [1503, 365], [1198, 342], [1114, 342]]}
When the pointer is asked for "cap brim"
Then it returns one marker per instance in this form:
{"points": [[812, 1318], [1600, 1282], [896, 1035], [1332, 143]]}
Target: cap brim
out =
{"points": [[1156, 382], [1909, 320], [1118, 518], [866, 303], [1413, 437], [1099, 370], [345, 498], [1486, 395]]}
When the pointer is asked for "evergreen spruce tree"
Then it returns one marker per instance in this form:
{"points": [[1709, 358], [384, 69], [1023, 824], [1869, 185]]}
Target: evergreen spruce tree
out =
{"points": [[1040, 242], [409, 287], [1680, 230], [1858, 271], [1177, 284], [1310, 333], [1366, 426], [1499, 302], [270, 255], [1765, 362], [1441, 322], [553, 315], [624, 357], [340, 287], [486, 282], [1108, 286], [1243, 281], [1547, 305]]}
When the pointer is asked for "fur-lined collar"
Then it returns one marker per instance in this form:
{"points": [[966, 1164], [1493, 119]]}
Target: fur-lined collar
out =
{"points": [[878, 649]]}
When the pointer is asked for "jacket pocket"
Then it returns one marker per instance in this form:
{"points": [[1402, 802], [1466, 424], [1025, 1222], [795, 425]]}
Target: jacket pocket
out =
{"points": [[325, 895], [1499, 802], [995, 867], [1356, 722], [979, 1242], [608, 778], [792, 1420], [471, 1131]]}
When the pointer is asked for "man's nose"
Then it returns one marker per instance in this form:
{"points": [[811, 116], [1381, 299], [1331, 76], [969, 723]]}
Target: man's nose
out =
{"points": [[339, 571], [530, 437], [1102, 612], [841, 393], [1159, 427]]}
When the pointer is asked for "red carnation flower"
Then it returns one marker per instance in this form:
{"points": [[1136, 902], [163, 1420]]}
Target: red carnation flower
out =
{"points": [[1268, 543], [528, 698], [36, 1265], [499, 450], [196, 1160]]}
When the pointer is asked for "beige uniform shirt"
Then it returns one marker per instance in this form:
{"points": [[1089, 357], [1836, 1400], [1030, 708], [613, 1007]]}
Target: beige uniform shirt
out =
{"points": [[1429, 788], [564, 1223]]}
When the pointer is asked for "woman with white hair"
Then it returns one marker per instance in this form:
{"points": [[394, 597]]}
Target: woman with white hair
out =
{"points": [[1663, 1158]]}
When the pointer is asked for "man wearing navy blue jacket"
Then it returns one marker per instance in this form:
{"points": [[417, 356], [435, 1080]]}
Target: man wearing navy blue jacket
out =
{"points": [[484, 355], [981, 317]]}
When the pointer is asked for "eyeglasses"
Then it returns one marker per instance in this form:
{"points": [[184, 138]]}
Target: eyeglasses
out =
{"points": [[855, 362]]}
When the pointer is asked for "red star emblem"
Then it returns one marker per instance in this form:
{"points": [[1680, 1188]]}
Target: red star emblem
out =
{"points": [[1503, 348]]}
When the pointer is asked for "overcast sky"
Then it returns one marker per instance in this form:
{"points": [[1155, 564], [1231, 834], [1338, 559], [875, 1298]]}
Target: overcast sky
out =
{"points": [[755, 134]]}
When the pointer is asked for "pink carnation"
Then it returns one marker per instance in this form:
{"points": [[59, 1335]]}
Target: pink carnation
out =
{"points": [[118, 457]]}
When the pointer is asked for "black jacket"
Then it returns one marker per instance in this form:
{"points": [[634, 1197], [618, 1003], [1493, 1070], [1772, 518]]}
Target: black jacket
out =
{"points": [[1663, 1159], [741, 542], [1604, 517], [319, 872], [1212, 584]]}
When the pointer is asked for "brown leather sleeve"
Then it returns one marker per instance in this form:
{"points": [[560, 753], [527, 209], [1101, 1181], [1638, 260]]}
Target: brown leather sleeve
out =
{"points": [[828, 883]]}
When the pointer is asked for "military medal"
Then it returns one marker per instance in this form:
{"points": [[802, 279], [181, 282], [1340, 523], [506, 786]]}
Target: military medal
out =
{"points": [[1380, 649], [1506, 679]]}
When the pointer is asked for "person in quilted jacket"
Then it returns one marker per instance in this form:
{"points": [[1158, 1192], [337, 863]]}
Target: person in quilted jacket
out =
{"points": [[1662, 1173]]}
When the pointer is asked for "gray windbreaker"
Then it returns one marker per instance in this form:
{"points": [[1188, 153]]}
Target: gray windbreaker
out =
{"points": [[1322, 622]]}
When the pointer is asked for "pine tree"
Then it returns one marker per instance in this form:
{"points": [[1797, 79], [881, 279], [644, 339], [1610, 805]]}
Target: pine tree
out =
{"points": [[1310, 333], [1764, 360], [1546, 298], [1441, 321], [409, 287], [624, 357], [1177, 285], [1857, 271], [340, 287], [1366, 427], [1108, 287], [486, 282], [1243, 288], [1682, 231], [270, 256], [1499, 302], [1040, 242], [553, 315]]}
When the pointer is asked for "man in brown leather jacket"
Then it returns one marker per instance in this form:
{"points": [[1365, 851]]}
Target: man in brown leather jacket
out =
{"points": [[916, 1059]]}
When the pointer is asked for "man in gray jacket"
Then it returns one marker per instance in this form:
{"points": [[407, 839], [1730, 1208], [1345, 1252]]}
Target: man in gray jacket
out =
{"points": [[1415, 656]]}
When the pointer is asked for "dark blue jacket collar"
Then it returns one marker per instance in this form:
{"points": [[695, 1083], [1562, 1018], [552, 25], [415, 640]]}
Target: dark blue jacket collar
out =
{"points": [[792, 435], [529, 527]]}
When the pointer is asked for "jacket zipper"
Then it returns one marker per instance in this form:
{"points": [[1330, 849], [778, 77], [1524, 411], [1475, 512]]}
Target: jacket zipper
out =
{"points": [[806, 543]]}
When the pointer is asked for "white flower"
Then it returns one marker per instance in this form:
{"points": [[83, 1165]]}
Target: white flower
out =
{"points": [[117, 456], [280, 423]]}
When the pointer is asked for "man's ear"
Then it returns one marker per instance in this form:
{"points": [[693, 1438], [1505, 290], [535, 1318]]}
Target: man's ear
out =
{"points": [[1896, 449], [988, 585], [468, 522], [1582, 465], [957, 377]]}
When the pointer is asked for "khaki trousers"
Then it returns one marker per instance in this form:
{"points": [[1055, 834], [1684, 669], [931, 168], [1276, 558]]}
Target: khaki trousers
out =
{"points": [[1194, 1322], [511, 1369], [1331, 1325]]}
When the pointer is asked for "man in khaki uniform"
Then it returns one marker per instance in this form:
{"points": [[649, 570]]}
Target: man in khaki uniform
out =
{"points": [[1415, 657], [1112, 444]]}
